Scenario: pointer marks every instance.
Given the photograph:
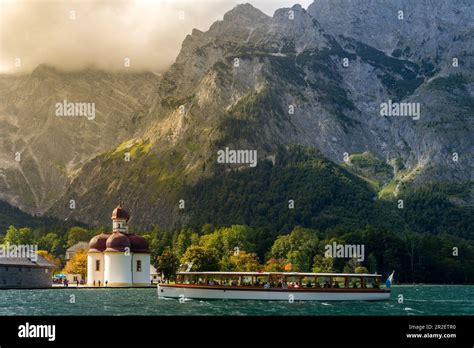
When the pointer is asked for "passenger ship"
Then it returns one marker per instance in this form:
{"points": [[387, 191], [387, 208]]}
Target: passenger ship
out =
{"points": [[277, 286]]}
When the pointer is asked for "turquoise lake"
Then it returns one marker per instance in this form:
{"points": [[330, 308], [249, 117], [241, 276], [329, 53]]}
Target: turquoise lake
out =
{"points": [[417, 300]]}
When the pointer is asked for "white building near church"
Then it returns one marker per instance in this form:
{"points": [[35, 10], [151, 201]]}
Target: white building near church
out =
{"points": [[118, 258]]}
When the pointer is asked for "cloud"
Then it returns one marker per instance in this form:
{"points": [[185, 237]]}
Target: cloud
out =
{"points": [[102, 33]]}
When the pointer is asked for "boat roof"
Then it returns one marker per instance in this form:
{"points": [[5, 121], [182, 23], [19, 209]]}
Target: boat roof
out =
{"points": [[288, 274]]}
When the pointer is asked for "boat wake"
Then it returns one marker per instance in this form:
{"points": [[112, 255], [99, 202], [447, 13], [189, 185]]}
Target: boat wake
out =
{"points": [[411, 309]]}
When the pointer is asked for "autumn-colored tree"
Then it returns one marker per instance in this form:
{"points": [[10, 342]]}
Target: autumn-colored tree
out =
{"points": [[298, 247], [275, 265], [243, 262], [50, 258], [77, 264]]}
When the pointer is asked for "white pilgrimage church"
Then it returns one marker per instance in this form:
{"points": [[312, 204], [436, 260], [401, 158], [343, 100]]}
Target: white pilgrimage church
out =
{"points": [[118, 258]]}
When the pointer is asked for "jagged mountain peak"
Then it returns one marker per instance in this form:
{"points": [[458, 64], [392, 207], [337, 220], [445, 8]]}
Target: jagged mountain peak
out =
{"points": [[243, 17], [297, 8], [245, 13], [295, 13]]}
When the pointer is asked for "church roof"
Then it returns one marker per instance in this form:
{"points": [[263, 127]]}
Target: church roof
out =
{"points": [[138, 243], [98, 243], [118, 241], [120, 213]]}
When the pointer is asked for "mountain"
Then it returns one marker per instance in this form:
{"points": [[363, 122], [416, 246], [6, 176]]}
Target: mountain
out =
{"points": [[424, 30], [41, 225], [255, 82], [51, 150]]}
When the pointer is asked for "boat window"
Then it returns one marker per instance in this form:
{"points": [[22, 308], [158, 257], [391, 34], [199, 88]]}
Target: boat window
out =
{"points": [[293, 282], [261, 281], [213, 280], [370, 282], [354, 282], [247, 281], [307, 282], [234, 280], [324, 282], [338, 282], [276, 281]]}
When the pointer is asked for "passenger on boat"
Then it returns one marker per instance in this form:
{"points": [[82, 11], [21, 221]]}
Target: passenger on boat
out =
{"points": [[336, 285], [327, 285], [266, 286], [284, 286], [309, 285]]}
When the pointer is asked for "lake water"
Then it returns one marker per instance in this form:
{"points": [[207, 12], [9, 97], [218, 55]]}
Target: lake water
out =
{"points": [[417, 300]]}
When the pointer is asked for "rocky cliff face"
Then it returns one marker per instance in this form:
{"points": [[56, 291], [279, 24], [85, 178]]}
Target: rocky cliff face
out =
{"points": [[425, 30], [438, 37], [316, 78], [39, 151]]}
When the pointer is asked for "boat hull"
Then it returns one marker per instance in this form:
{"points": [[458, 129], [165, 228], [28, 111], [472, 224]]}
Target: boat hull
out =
{"points": [[173, 291]]}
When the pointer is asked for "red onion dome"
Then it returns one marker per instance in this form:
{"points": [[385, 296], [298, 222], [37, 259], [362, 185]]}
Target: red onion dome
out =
{"points": [[118, 242], [98, 243], [138, 243], [120, 213]]}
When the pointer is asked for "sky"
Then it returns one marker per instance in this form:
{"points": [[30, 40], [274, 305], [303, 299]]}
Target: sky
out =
{"points": [[102, 33]]}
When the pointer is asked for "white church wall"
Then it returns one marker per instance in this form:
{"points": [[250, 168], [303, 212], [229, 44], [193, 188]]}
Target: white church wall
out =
{"points": [[118, 269], [141, 277], [92, 273]]}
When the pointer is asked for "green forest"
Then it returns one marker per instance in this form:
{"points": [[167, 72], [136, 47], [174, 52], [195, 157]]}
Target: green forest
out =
{"points": [[280, 216]]}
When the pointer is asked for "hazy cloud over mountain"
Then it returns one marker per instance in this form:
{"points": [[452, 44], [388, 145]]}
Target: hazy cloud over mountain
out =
{"points": [[103, 33]]}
